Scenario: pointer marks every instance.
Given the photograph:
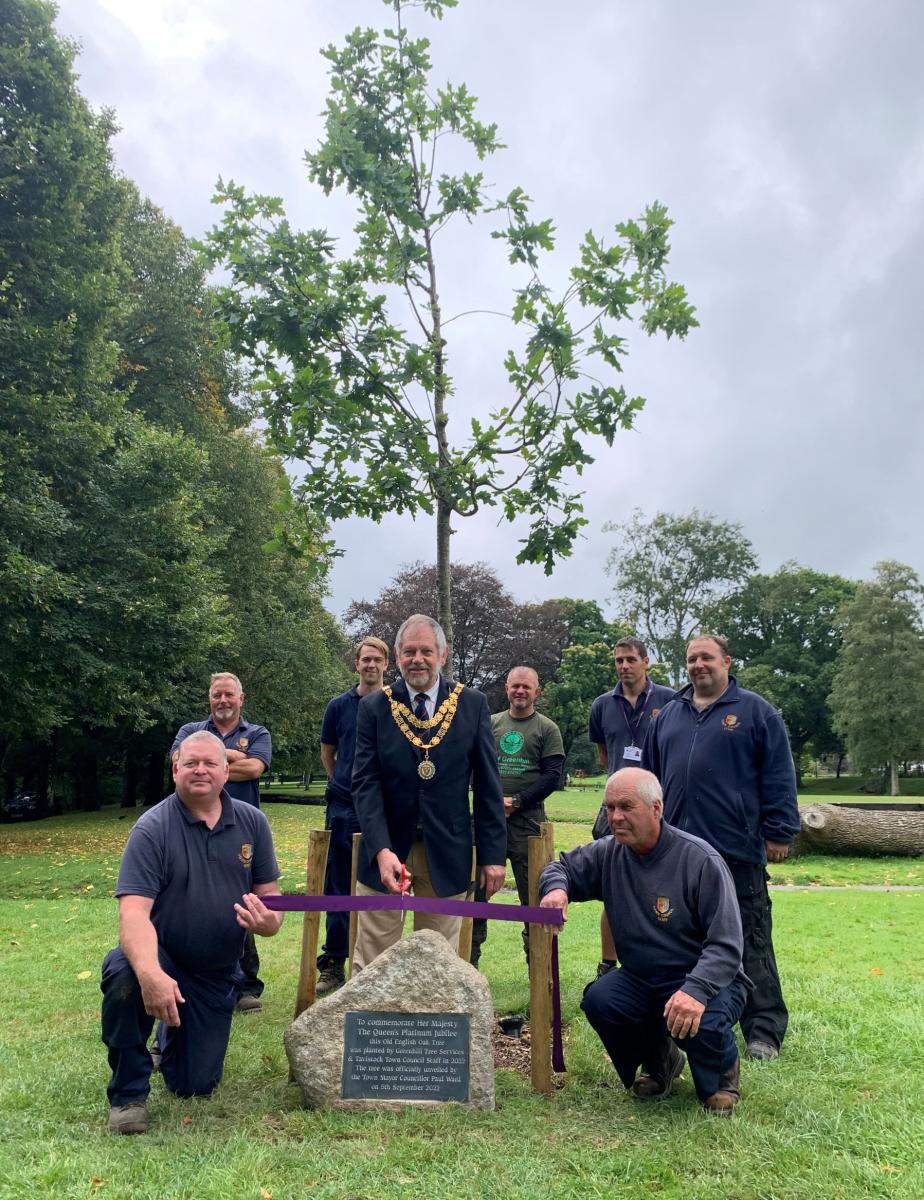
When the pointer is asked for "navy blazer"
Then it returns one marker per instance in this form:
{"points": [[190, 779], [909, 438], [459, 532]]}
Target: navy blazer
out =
{"points": [[392, 801]]}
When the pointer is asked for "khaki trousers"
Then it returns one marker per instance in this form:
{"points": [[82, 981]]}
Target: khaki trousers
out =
{"points": [[376, 931]]}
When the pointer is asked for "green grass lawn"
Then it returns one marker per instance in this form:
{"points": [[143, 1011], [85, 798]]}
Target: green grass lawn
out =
{"points": [[840, 1116]]}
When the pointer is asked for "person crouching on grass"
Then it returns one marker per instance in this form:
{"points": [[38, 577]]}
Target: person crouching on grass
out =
{"points": [[190, 881], [671, 905]]}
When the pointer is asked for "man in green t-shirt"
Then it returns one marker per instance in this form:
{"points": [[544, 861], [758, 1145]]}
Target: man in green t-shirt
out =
{"points": [[530, 756]]}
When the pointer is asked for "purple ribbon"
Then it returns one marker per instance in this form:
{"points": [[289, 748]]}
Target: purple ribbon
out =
{"points": [[530, 914]]}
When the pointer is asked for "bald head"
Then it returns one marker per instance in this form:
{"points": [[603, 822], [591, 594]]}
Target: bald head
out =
{"points": [[633, 808]]}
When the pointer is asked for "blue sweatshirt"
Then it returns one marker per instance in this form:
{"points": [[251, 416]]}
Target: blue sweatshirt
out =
{"points": [[726, 772], [673, 911]]}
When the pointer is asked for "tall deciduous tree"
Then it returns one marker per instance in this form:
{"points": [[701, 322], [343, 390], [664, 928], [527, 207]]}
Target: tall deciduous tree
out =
{"points": [[785, 631], [366, 403], [878, 695], [174, 361], [59, 278], [145, 538], [667, 572]]}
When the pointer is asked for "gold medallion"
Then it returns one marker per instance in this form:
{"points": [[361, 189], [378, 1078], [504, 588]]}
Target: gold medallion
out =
{"points": [[440, 724]]}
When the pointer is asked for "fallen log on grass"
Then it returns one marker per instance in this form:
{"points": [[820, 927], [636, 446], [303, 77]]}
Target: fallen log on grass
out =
{"points": [[832, 829]]}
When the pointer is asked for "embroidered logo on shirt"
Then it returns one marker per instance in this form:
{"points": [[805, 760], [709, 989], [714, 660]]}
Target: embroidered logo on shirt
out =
{"points": [[662, 907], [730, 722], [242, 743], [510, 743], [246, 855]]}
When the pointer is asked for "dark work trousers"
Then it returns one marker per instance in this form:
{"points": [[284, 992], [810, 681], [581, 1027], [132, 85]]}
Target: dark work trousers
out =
{"points": [[340, 818], [520, 828], [627, 1013], [250, 982], [765, 1015], [192, 1054]]}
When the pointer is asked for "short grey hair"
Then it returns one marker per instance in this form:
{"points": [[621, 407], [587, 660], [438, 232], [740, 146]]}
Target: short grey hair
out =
{"points": [[422, 619], [646, 786], [201, 735], [648, 790], [226, 675]]}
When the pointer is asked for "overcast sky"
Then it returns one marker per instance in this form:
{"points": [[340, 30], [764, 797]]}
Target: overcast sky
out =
{"points": [[787, 141]]}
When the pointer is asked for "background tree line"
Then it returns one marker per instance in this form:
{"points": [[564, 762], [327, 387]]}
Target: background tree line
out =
{"points": [[146, 535], [844, 662]]}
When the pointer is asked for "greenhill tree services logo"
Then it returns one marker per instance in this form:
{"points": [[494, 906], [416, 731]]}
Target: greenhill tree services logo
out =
{"points": [[511, 743]]}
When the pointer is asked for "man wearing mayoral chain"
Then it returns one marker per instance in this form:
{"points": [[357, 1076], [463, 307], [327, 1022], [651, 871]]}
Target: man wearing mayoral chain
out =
{"points": [[418, 745]]}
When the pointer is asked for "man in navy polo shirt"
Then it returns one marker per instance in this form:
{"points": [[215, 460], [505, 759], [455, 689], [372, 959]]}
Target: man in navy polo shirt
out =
{"points": [[190, 881], [249, 749], [723, 758], [619, 721], [338, 745]]}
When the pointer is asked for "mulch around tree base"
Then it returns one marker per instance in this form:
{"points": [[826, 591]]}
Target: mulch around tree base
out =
{"points": [[515, 1054], [511, 1054]]}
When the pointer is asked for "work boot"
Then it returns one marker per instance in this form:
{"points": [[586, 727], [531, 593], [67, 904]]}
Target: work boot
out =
{"points": [[128, 1118], [656, 1084], [723, 1102], [762, 1051], [329, 979], [247, 1002]]}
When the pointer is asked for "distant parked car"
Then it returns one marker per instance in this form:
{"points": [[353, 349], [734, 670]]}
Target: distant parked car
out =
{"points": [[22, 806]]}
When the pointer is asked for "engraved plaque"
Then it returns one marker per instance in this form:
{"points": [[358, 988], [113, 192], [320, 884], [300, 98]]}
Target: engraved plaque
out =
{"points": [[405, 1056]]}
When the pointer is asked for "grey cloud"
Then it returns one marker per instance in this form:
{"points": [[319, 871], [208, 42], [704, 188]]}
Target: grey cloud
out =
{"points": [[787, 141]]}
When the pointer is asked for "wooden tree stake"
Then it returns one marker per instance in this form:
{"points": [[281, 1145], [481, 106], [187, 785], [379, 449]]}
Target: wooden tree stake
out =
{"points": [[318, 844], [540, 851]]}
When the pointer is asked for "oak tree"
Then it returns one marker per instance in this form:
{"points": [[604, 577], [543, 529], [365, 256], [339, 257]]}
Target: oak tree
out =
{"points": [[352, 347]]}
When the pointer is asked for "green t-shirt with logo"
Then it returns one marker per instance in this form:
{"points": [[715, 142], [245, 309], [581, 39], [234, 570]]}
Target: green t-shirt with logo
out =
{"points": [[521, 745]]}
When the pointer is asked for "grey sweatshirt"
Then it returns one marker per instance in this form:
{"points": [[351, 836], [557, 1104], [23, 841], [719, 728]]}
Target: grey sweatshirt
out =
{"points": [[673, 911]]}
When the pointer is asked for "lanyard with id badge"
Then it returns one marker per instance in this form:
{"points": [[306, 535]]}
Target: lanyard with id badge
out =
{"points": [[633, 753]]}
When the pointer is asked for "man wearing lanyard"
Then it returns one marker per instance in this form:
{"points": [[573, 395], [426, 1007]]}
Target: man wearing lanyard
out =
{"points": [[619, 722]]}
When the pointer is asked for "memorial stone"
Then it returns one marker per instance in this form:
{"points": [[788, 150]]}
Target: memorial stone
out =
{"points": [[412, 1028]]}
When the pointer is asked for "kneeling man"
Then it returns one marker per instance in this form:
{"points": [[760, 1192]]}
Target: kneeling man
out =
{"points": [[189, 889], [672, 909]]}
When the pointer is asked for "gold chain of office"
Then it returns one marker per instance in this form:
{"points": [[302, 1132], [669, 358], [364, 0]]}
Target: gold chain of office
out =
{"points": [[440, 721]]}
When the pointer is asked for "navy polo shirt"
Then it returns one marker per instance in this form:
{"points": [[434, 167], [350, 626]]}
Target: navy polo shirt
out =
{"points": [[339, 729], [195, 876], [614, 723], [253, 740]]}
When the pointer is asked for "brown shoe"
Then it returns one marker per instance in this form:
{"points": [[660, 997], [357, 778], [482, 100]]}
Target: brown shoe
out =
{"points": [[128, 1118], [722, 1103], [248, 1003], [657, 1086], [329, 980]]}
